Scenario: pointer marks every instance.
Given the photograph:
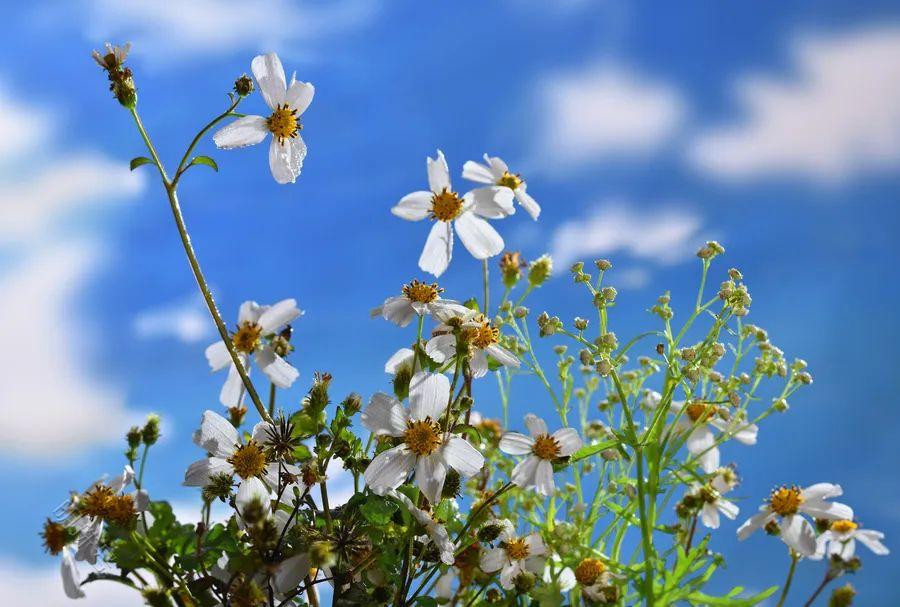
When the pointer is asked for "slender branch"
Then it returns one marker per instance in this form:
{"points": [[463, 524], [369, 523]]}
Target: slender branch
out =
{"points": [[790, 578]]}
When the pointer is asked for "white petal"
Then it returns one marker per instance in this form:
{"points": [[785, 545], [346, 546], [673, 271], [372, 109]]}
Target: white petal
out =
{"points": [[700, 439], [503, 356], [413, 207], [279, 371], [492, 559], [477, 235], [389, 469], [216, 435], [401, 357], [245, 131], [493, 201], [398, 310], [757, 521], [525, 471], [477, 172], [821, 491], [218, 356], [535, 544], [514, 443], [569, 441], [443, 588], [269, 76], [543, 478], [528, 203], [300, 95], [462, 456], [438, 249], [70, 577], [871, 540], [710, 460], [250, 490], [441, 347], [250, 311], [233, 389], [827, 510], [798, 534], [89, 542], [727, 508], [384, 415], [478, 364], [286, 159], [498, 167], [431, 472], [709, 516], [290, 573], [279, 314], [536, 425], [438, 173], [429, 395], [199, 473]]}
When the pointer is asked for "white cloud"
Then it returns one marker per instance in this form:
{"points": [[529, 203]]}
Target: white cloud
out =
{"points": [[663, 235], [605, 110], [22, 585], [187, 321], [23, 127], [167, 30], [52, 407], [30, 204], [836, 116]]}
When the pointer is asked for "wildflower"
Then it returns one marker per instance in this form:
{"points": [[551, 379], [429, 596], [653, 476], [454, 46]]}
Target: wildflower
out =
{"points": [[256, 323], [229, 456], [418, 298], [435, 530], [514, 554], [470, 332], [788, 503], [402, 358], [425, 448], [121, 80], [840, 539], [696, 418], [595, 578], [713, 504], [467, 213], [496, 173], [58, 538], [542, 449], [287, 102]]}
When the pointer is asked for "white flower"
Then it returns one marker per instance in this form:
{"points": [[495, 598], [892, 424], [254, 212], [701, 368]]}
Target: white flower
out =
{"points": [[425, 448], [713, 504], [435, 530], [542, 448], [476, 332], [467, 213], [594, 577], [71, 579], [563, 578], [228, 455], [696, 418], [496, 173], [841, 537], [401, 358], [287, 150], [255, 324], [514, 554], [418, 298], [789, 503]]}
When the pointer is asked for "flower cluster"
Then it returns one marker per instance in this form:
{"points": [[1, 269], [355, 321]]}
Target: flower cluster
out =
{"points": [[451, 506]]}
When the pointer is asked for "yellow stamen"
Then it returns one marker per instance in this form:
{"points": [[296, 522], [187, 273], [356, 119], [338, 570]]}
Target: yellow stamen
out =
{"points": [[96, 502], [546, 447], [843, 526], [588, 570], [699, 412], [422, 437], [517, 549], [786, 500], [484, 334], [248, 460], [121, 509], [509, 180], [446, 206], [421, 292], [284, 123], [247, 337], [56, 536]]}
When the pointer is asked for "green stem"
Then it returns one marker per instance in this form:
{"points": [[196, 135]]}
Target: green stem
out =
{"points": [[487, 287], [790, 578]]}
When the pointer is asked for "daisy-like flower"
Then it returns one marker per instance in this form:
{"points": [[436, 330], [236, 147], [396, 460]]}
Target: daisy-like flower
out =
{"points": [[712, 504], [514, 554], [287, 102], [542, 449], [424, 446], [435, 530], [448, 209], [788, 504], [595, 579], [417, 299], [495, 173], [468, 330], [58, 538], [230, 456], [840, 539], [698, 418], [401, 359], [255, 335]]}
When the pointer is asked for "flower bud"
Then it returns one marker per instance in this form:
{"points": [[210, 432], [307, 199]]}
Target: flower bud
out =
{"points": [[520, 312], [580, 323], [511, 264], [352, 404], [603, 264], [236, 415], [609, 294], [243, 86], [842, 597], [134, 437], [540, 270], [489, 532], [150, 431], [524, 582]]}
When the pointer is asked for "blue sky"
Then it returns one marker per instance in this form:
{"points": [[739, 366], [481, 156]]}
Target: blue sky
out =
{"points": [[772, 127]]}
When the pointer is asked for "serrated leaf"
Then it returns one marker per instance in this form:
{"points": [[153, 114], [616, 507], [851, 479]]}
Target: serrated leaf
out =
{"points": [[139, 161], [590, 450], [206, 161], [378, 510]]}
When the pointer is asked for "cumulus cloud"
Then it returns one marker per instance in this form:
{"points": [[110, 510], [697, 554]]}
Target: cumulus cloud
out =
{"points": [[23, 127], [52, 406], [663, 235], [215, 27], [187, 321], [836, 116], [22, 584], [603, 110]]}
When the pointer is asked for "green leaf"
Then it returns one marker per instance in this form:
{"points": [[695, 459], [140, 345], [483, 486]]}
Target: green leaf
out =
{"points": [[378, 510], [589, 450], [206, 161], [139, 161], [699, 598], [426, 601]]}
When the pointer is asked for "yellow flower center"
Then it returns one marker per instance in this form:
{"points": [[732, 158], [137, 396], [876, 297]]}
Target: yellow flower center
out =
{"points": [[517, 549], [120, 509], [248, 460], [698, 412], [509, 180], [843, 526], [284, 123], [588, 570], [247, 337], [446, 206], [421, 292], [484, 334], [96, 502], [785, 500], [546, 447], [422, 437], [56, 536]]}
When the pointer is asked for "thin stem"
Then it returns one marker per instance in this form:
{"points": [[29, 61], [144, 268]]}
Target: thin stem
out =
{"points": [[790, 578], [487, 287], [272, 400], [825, 581]]}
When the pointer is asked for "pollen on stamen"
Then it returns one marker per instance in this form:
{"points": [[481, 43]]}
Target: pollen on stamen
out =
{"points": [[699, 411], [422, 292], [546, 447], [517, 549], [247, 337], [422, 437], [484, 334], [284, 123], [588, 571], [843, 526], [509, 180], [56, 536], [249, 460], [446, 206], [785, 501]]}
